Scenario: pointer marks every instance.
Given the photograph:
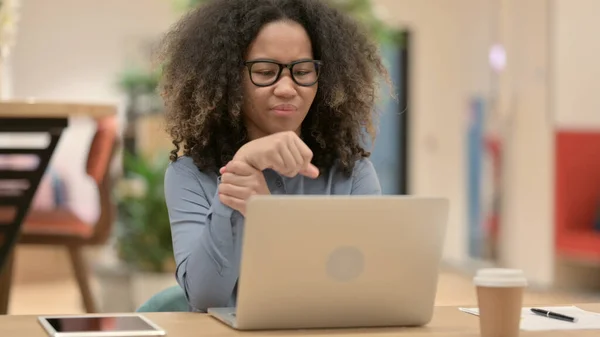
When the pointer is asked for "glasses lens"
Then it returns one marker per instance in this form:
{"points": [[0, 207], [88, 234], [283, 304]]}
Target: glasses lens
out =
{"points": [[306, 73], [264, 73]]}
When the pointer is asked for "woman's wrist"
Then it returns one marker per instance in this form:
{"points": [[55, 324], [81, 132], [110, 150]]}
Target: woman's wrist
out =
{"points": [[240, 154], [245, 154]]}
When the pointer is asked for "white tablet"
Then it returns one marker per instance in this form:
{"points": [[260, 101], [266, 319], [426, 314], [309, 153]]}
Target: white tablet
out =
{"points": [[100, 325]]}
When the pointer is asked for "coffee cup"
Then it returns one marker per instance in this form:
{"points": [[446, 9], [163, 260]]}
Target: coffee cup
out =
{"points": [[500, 299]]}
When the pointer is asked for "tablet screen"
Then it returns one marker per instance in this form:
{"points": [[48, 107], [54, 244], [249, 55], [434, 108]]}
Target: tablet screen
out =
{"points": [[99, 324]]}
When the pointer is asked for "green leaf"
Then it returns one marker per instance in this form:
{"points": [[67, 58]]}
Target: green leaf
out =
{"points": [[144, 234]]}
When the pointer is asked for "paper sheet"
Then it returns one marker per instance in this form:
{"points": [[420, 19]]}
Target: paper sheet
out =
{"points": [[586, 320]]}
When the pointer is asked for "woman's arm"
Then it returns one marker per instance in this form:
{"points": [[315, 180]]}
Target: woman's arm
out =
{"points": [[204, 240]]}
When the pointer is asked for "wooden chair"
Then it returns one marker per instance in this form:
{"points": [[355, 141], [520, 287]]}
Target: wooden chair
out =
{"points": [[19, 180], [63, 228]]}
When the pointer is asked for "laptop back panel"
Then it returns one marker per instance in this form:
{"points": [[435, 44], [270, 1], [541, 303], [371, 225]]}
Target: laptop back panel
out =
{"points": [[325, 262]]}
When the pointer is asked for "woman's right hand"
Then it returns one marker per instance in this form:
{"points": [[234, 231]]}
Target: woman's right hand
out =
{"points": [[283, 152]]}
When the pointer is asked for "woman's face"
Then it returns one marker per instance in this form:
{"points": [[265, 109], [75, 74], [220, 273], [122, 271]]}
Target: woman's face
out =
{"points": [[283, 105]]}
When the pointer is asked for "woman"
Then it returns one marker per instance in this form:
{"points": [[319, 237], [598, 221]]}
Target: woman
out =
{"points": [[266, 97]]}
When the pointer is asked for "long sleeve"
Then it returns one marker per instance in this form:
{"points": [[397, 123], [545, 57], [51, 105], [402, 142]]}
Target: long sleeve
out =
{"points": [[204, 240]]}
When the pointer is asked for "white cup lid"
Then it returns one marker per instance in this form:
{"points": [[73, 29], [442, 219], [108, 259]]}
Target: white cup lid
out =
{"points": [[500, 277]]}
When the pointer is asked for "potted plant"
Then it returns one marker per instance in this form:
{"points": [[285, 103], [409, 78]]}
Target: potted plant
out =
{"points": [[139, 85], [139, 261], [144, 242], [143, 238]]}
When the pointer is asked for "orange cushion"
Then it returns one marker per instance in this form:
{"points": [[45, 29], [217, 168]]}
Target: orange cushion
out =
{"points": [[56, 222]]}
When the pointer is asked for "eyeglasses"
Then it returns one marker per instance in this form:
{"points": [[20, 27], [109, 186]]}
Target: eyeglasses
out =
{"points": [[264, 73]]}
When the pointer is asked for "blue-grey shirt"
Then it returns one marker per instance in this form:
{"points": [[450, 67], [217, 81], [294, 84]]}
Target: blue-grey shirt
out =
{"points": [[207, 234]]}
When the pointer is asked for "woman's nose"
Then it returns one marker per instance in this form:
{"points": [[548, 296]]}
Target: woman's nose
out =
{"points": [[285, 87]]}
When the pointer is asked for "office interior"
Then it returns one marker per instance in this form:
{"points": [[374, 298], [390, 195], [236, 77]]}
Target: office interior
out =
{"points": [[497, 110]]}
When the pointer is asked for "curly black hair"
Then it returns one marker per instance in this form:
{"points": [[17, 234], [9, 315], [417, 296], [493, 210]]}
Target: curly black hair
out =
{"points": [[202, 57]]}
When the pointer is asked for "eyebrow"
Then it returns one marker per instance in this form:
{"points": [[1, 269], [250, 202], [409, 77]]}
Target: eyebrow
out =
{"points": [[277, 61]]}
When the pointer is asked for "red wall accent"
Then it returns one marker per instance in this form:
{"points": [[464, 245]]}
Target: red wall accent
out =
{"points": [[577, 193]]}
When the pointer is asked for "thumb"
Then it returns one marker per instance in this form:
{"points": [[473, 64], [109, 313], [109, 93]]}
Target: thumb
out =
{"points": [[310, 171]]}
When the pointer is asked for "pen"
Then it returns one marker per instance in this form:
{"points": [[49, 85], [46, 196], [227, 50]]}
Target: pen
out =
{"points": [[554, 315]]}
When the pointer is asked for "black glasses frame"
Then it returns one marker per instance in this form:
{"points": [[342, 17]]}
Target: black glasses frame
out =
{"points": [[289, 66]]}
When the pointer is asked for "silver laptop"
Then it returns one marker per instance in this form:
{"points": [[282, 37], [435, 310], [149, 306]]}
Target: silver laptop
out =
{"points": [[338, 262]]}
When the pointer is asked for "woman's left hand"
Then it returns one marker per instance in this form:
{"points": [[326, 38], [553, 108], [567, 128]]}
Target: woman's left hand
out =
{"points": [[240, 181]]}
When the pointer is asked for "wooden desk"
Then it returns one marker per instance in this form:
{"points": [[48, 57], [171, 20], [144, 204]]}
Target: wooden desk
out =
{"points": [[447, 322], [49, 118], [47, 109]]}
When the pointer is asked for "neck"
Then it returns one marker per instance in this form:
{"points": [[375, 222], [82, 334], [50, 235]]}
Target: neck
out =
{"points": [[254, 133]]}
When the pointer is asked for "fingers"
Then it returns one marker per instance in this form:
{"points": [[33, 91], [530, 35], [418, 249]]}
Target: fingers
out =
{"points": [[292, 160], [239, 181], [311, 171], [277, 162], [307, 169], [304, 150], [234, 179], [238, 167], [283, 152], [235, 191], [294, 157], [235, 203], [232, 195], [297, 158]]}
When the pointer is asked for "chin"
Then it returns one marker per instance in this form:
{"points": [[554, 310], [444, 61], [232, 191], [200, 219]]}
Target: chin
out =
{"points": [[280, 128]]}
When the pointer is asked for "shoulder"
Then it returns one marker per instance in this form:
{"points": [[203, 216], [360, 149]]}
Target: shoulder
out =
{"points": [[187, 190], [185, 173], [363, 166], [364, 178]]}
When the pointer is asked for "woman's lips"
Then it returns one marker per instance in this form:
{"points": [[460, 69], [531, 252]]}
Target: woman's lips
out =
{"points": [[284, 110]]}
